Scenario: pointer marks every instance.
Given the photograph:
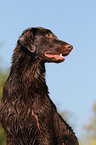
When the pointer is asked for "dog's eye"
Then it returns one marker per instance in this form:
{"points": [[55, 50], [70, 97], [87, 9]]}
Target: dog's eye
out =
{"points": [[49, 35]]}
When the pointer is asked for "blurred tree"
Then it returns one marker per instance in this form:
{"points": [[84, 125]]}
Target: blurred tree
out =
{"points": [[91, 127], [89, 137], [3, 77]]}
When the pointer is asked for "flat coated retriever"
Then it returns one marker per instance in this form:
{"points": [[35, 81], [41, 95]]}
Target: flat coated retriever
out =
{"points": [[28, 115]]}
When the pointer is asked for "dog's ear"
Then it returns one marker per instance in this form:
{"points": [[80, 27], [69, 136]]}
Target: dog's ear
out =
{"points": [[26, 40]]}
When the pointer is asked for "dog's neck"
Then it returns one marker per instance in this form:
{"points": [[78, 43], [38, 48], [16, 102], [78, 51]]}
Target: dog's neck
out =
{"points": [[33, 75]]}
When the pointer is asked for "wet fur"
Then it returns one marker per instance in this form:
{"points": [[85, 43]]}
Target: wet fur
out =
{"points": [[28, 115]]}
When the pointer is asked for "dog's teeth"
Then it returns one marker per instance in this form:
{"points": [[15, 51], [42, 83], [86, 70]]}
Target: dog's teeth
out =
{"points": [[60, 54]]}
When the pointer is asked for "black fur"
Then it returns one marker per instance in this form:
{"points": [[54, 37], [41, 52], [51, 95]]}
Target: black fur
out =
{"points": [[28, 115]]}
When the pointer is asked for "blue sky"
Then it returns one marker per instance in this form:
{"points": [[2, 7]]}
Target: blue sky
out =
{"points": [[72, 84]]}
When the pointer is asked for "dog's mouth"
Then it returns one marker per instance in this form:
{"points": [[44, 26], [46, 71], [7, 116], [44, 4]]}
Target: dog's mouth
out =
{"points": [[56, 57]]}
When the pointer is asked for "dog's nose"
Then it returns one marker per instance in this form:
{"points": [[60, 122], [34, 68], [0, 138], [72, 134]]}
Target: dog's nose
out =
{"points": [[69, 47]]}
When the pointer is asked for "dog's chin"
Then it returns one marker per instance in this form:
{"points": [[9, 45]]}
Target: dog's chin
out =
{"points": [[58, 58]]}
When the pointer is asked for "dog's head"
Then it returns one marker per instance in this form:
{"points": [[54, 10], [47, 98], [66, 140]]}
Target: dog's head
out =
{"points": [[44, 45]]}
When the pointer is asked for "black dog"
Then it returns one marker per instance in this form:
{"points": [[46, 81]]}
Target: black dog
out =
{"points": [[28, 115]]}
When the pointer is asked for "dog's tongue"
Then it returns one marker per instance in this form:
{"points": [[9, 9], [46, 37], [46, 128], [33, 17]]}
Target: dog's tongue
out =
{"points": [[56, 57]]}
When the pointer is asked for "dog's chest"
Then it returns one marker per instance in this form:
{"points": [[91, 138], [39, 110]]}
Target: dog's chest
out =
{"points": [[30, 116]]}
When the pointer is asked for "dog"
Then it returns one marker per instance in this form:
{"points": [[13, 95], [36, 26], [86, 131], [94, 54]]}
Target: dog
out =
{"points": [[28, 115]]}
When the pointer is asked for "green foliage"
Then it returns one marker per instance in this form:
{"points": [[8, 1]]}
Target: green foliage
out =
{"points": [[89, 137], [2, 136], [91, 128], [3, 78]]}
